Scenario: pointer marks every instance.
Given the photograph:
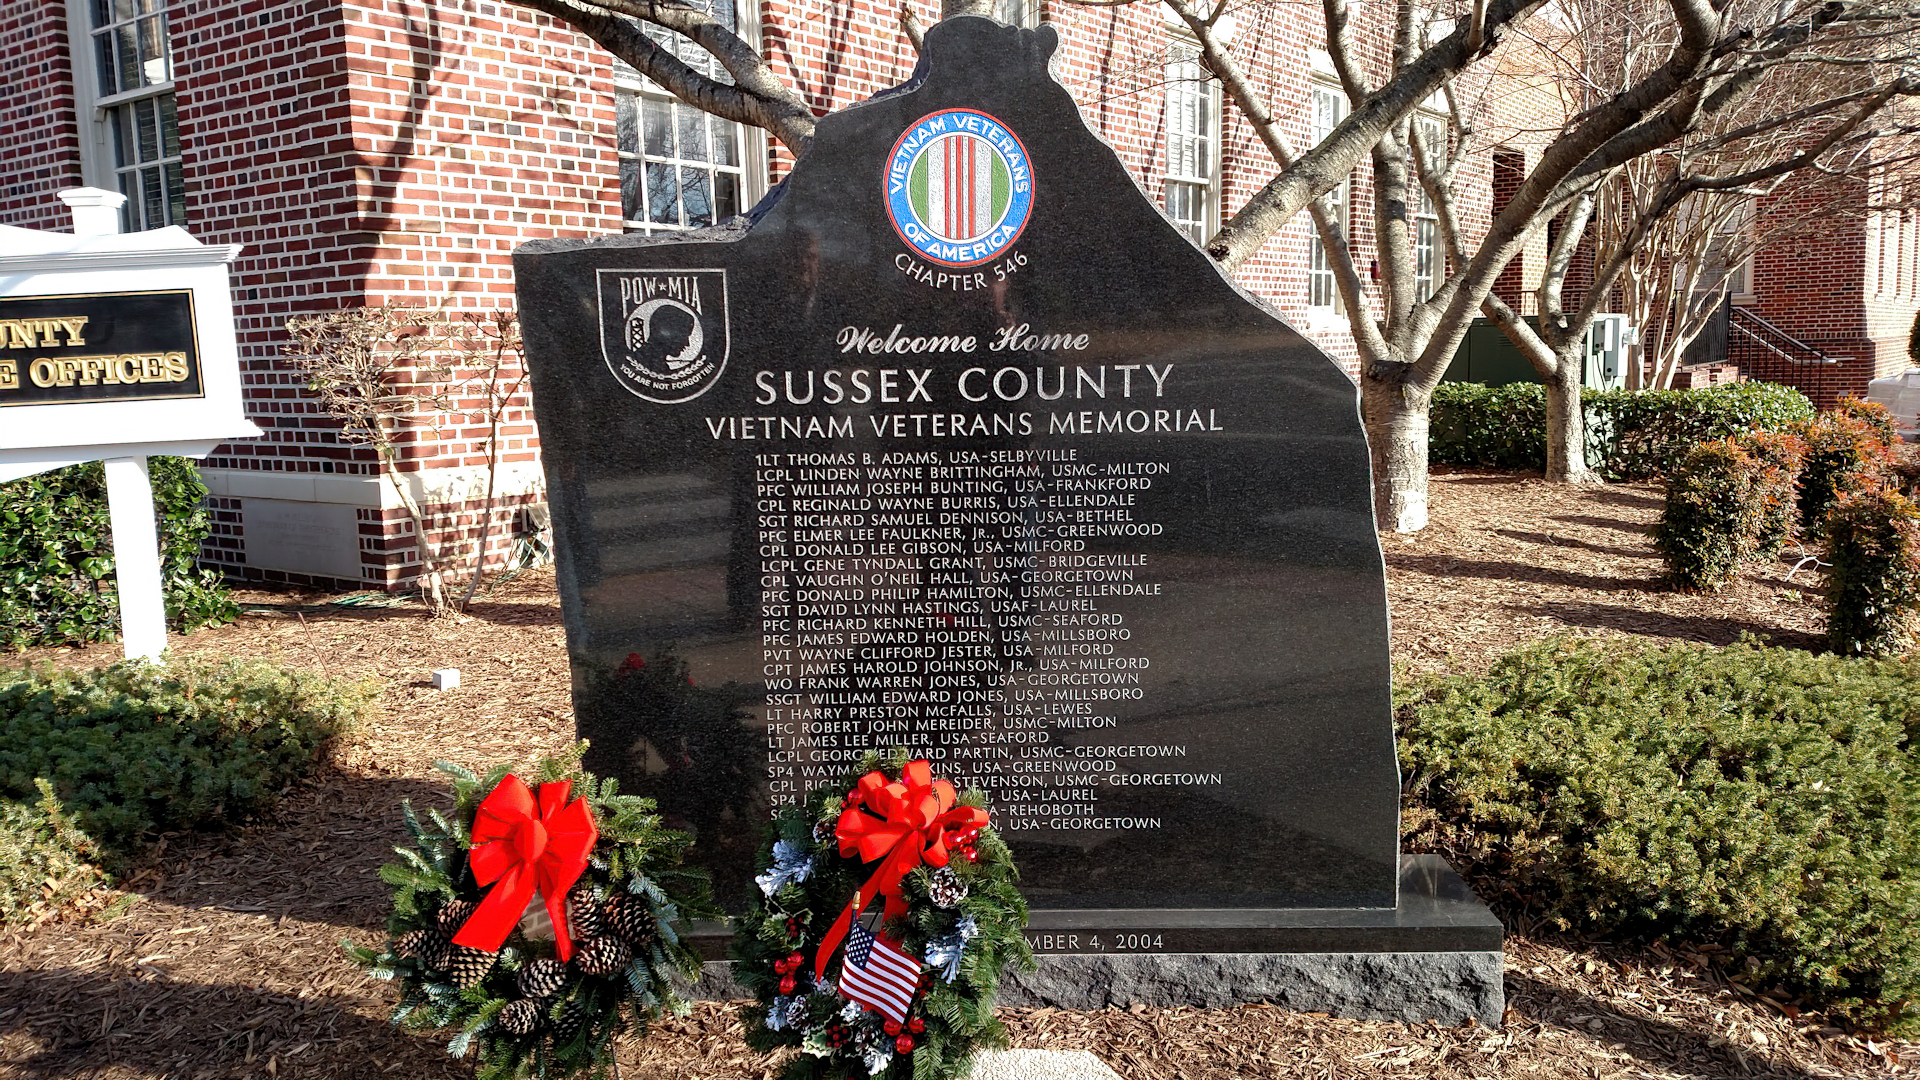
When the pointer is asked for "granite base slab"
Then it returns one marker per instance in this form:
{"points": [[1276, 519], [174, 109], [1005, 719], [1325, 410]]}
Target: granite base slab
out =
{"points": [[1435, 956]]}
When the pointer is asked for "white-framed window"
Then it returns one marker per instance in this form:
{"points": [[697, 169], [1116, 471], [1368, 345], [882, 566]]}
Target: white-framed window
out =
{"points": [[1192, 193], [1427, 257], [681, 168], [1024, 13], [1730, 235], [1328, 106], [123, 77]]}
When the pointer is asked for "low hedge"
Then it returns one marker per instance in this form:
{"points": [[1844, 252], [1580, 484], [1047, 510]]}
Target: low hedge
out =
{"points": [[56, 555], [137, 748], [1631, 434], [1764, 798]]}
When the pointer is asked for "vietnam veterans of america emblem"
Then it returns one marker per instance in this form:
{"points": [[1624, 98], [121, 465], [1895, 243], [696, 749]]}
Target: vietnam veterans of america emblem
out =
{"points": [[959, 187], [663, 333]]}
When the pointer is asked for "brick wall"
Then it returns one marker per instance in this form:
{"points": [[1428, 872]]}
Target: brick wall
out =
{"points": [[394, 152], [37, 120]]}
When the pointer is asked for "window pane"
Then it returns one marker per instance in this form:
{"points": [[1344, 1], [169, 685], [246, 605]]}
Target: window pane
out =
{"points": [[626, 121], [696, 195], [104, 44], [726, 142], [657, 124], [633, 206], [130, 210], [149, 129], [693, 133], [102, 13], [726, 196], [663, 195], [124, 9], [169, 127], [128, 46], [153, 50], [154, 198], [176, 196], [122, 123]]}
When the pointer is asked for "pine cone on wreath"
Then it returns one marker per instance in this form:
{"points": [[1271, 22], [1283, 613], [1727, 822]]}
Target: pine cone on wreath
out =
{"points": [[583, 915], [542, 979], [436, 952], [414, 944], [519, 1017], [603, 955], [470, 966], [630, 919], [569, 1022], [945, 888], [454, 915]]}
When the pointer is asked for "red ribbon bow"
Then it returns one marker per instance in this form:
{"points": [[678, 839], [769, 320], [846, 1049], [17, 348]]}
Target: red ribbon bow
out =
{"points": [[522, 852], [903, 824]]}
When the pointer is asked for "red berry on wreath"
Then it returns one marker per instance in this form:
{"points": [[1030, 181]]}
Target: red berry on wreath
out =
{"points": [[904, 1044], [795, 959], [787, 983], [972, 855], [916, 1025], [780, 967], [891, 1027]]}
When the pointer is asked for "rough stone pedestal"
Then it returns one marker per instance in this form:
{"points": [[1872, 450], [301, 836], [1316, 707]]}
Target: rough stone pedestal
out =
{"points": [[1436, 956]]}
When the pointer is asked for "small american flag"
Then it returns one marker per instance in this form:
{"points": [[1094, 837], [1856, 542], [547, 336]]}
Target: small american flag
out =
{"points": [[878, 974]]}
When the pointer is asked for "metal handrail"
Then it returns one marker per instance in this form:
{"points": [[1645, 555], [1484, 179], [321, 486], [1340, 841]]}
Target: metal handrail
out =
{"points": [[1739, 313]]}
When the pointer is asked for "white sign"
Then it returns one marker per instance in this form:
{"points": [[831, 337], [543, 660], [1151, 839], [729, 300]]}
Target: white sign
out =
{"points": [[116, 348]]}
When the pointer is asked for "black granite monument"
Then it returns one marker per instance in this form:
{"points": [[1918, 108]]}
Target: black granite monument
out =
{"points": [[958, 445]]}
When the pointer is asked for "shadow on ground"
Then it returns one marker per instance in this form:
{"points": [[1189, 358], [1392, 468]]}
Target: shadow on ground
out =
{"points": [[1449, 566], [1664, 1047], [341, 827], [72, 1024], [1704, 629]]}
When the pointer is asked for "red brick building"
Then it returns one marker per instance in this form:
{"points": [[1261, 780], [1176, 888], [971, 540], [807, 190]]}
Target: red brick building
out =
{"points": [[379, 152]]}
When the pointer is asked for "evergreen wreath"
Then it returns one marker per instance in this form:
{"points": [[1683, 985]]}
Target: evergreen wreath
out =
{"points": [[951, 922], [535, 1004]]}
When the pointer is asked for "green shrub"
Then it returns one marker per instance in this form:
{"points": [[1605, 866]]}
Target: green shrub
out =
{"points": [[1654, 429], [56, 555], [134, 748], [1844, 454], [43, 857], [1501, 427], [1713, 514], [1762, 798], [1873, 585], [1631, 435], [1777, 457]]}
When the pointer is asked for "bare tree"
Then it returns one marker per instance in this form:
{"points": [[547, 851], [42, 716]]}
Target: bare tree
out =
{"points": [[1771, 92], [1700, 63]]}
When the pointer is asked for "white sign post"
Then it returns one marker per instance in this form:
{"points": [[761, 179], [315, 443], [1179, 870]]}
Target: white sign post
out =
{"points": [[115, 348]]}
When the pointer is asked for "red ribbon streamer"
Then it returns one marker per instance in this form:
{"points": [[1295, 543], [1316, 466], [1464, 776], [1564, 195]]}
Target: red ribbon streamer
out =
{"points": [[523, 850], [902, 824]]}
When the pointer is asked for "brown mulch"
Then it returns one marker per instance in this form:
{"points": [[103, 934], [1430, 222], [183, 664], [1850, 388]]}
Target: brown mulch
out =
{"points": [[230, 964]]}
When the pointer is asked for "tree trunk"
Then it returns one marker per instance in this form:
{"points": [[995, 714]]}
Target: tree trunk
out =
{"points": [[1395, 416], [1567, 419]]}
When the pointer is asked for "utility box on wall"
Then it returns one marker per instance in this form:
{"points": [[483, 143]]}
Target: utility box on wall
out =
{"points": [[1487, 357]]}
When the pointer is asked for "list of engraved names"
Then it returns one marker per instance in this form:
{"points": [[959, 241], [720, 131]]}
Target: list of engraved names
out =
{"points": [[970, 606]]}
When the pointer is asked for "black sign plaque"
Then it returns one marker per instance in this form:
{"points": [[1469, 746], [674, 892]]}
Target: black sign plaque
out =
{"points": [[129, 346], [962, 447]]}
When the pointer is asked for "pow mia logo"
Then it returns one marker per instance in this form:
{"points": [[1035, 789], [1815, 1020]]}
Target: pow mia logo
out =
{"points": [[663, 333]]}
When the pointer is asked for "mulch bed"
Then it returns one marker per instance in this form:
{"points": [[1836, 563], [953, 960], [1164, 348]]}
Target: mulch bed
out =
{"points": [[230, 964]]}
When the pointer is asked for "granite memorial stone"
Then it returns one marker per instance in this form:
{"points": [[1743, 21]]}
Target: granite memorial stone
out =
{"points": [[958, 445]]}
